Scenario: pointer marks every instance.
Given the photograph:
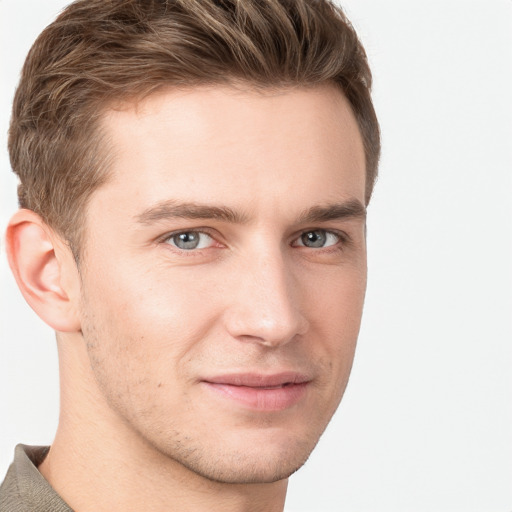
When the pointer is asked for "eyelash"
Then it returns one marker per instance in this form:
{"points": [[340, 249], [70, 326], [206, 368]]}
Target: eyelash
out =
{"points": [[342, 240], [191, 252], [299, 241]]}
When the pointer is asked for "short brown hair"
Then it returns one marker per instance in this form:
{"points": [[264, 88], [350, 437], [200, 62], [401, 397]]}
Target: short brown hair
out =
{"points": [[101, 51]]}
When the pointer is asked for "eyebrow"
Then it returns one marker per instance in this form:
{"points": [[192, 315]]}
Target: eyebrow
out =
{"points": [[170, 209], [350, 209], [173, 209]]}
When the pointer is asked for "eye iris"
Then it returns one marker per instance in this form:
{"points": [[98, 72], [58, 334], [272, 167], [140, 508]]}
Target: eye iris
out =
{"points": [[186, 240], [314, 238]]}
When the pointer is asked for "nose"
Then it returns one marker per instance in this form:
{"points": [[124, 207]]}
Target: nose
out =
{"points": [[266, 306]]}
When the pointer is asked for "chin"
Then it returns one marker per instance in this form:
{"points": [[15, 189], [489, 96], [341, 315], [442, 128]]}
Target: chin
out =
{"points": [[247, 461], [243, 468]]}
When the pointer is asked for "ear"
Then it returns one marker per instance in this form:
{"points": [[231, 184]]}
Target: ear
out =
{"points": [[45, 270]]}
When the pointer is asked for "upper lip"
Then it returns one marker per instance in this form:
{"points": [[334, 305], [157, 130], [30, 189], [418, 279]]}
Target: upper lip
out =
{"points": [[259, 380]]}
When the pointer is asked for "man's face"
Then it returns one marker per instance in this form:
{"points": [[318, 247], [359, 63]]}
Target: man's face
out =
{"points": [[224, 273]]}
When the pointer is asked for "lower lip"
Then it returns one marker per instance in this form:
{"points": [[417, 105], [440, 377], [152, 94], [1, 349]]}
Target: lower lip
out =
{"points": [[262, 399]]}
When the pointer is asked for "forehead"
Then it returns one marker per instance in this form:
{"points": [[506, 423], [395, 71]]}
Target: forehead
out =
{"points": [[243, 148]]}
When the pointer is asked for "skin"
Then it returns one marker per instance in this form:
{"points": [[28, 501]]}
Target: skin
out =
{"points": [[144, 326]]}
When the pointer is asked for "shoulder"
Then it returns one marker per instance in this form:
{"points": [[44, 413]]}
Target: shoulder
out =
{"points": [[24, 489]]}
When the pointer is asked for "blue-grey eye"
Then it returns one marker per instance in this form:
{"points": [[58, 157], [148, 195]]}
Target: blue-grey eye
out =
{"points": [[190, 240], [317, 239]]}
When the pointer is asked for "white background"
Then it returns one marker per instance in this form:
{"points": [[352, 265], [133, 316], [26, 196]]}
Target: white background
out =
{"points": [[426, 423]]}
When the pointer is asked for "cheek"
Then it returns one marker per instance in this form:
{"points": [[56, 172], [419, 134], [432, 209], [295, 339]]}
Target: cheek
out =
{"points": [[146, 323], [337, 299], [171, 299], [336, 304]]}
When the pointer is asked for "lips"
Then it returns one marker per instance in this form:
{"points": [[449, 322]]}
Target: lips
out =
{"points": [[260, 392]]}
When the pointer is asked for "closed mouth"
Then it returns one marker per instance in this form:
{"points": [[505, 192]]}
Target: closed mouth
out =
{"points": [[261, 392]]}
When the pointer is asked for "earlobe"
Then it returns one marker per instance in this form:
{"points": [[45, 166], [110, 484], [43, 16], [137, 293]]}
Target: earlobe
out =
{"points": [[39, 261]]}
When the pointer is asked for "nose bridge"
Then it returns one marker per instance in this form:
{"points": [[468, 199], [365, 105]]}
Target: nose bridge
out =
{"points": [[267, 308]]}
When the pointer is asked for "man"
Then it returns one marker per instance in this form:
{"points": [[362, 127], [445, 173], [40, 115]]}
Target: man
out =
{"points": [[194, 178]]}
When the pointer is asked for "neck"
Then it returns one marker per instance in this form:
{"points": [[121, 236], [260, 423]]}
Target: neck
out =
{"points": [[98, 463]]}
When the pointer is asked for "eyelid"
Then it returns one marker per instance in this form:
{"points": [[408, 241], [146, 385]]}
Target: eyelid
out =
{"points": [[174, 232], [343, 238], [201, 230]]}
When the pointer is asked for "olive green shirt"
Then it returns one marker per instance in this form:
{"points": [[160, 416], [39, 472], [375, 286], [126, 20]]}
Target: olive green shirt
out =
{"points": [[25, 489]]}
